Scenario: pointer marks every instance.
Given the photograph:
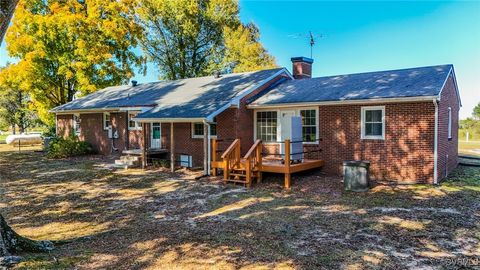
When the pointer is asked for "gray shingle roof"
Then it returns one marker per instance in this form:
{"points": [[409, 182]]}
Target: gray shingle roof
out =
{"points": [[185, 98], [412, 82]]}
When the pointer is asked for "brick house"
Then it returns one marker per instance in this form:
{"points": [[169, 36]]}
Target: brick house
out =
{"points": [[404, 122]]}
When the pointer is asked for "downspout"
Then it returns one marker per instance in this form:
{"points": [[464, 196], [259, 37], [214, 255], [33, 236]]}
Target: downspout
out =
{"points": [[209, 150], [435, 146]]}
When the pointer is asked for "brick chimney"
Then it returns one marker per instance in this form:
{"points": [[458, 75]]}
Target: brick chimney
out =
{"points": [[302, 67]]}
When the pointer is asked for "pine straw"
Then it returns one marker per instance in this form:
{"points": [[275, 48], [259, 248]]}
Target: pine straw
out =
{"points": [[156, 220]]}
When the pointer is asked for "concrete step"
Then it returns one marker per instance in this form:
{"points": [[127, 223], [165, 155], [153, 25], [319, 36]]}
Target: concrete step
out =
{"points": [[130, 158], [127, 163]]}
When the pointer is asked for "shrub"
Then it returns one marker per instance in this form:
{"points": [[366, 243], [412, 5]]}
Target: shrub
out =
{"points": [[68, 147]]}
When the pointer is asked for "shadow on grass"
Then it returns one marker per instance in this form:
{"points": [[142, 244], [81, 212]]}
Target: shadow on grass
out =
{"points": [[132, 219]]}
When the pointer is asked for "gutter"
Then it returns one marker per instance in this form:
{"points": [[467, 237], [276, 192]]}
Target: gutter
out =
{"points": [[343, 102], [435, 147]]}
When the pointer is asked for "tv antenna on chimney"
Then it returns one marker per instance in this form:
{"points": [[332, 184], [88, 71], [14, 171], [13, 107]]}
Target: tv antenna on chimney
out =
{"points": [[311, 39]]}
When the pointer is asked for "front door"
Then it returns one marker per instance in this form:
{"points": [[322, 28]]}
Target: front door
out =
{"points": [[156, 136]]}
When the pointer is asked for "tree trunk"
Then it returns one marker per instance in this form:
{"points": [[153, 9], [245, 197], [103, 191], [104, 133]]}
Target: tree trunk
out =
{"points": [[11, 242]]}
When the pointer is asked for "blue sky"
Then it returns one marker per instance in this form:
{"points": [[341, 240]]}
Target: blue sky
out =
{"points": [[362, 36]]}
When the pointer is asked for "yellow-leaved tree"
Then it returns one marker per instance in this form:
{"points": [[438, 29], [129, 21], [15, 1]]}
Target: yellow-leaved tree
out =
{"points": [[68, 48]]}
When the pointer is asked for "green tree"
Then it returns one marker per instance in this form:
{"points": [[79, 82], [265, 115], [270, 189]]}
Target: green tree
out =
{"points": [[14, 102], [186, 38], [72, 47], [476, 112]]}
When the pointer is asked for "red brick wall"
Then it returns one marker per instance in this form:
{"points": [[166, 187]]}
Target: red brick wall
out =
{"points": [[445, 146], [301, 70], [184, 143], [91, 130], [119, 124], [244, 120], [64, 124], [406, 154]]}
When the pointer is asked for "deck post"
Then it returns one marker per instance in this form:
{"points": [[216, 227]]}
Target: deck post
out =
{"points": [[144, 148], [248, 171], [172, 149], [288, 178], [214, 156], [259, 158], [226, 170]]}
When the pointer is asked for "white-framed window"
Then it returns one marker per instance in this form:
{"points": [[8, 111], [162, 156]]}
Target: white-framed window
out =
{"points": [[133, 125], [76, 124], [309, 125], [373, 122], [197, 129], [107, 123], [266, 126], [449, 123]]}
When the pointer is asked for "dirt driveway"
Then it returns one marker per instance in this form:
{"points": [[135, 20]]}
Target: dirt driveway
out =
{"points": [[155, 220]]}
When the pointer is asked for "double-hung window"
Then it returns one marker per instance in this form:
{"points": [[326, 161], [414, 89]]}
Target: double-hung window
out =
{"points": [[132, 124], [197, 129], [107, 124], [267, 126], [373, 122], [309, 125]]}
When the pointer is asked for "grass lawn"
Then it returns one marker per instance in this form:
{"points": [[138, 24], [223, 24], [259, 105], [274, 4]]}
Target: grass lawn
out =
{"points": [[3, 137], [469, 148], [155, 220]]}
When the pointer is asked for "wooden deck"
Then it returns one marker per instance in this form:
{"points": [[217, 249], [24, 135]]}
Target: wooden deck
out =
{"points": [[253, 164], [278, 167]]}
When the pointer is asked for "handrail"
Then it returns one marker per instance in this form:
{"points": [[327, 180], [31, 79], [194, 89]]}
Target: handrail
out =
{"points": [[253, 160], [231, 148], [252, 149], [231, 158]]}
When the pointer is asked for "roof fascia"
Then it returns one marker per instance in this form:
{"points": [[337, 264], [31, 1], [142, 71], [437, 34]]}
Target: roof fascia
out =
{"points": [[345, 102], [451, 72], [169, 120]]}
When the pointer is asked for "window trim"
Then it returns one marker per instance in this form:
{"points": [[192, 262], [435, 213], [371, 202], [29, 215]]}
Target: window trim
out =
{"points": [[76, 131], [449, 128], [317, 123], [201, 136], [105, 120], [138, 125], [279, 111], [362, 123]]}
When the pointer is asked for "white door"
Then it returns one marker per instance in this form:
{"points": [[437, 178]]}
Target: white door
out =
{"points": [[156, 135], [285, 128]]}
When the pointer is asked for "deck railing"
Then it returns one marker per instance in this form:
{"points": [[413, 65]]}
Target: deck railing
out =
{"points": [[231, 158], [253, 161]]}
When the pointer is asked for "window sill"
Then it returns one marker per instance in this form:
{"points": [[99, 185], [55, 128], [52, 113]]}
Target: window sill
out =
{"points": [[373, 138], [201, 137], [134, 129]]}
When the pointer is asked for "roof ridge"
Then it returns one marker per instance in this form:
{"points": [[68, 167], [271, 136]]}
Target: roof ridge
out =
{"points": [[201, 77], [378, 71]]}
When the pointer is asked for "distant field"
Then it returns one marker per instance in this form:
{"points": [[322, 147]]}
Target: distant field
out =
{"points": [[467, 148]]}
